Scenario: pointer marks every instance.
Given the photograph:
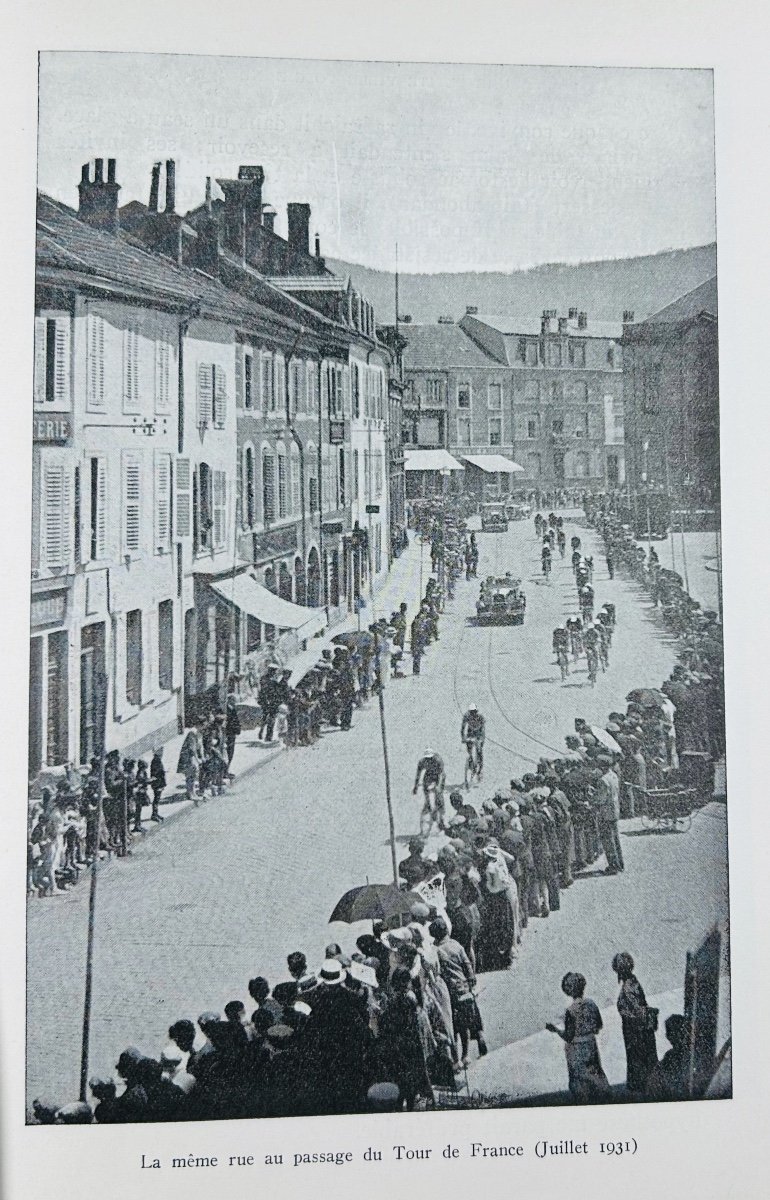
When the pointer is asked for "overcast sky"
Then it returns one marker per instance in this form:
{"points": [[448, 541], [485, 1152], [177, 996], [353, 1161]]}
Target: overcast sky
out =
{"points": [[466, 167]]}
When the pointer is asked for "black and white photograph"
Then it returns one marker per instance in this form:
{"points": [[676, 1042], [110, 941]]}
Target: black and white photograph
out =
{"points": [[376, 724]]}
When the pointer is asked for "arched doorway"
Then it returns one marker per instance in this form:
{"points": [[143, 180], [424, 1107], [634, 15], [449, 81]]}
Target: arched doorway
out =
{"points": [[313, 578], [284, 582], [300, 589]]}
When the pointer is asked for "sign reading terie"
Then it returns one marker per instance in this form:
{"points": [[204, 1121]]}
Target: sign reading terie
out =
{"points": [[48, 608], [274, 541], [52, 430]]}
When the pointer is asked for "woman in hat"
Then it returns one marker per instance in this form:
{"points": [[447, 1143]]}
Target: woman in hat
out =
{"points": [[401, 1051], [500, 928], [639, 1024], [582, 1022]]}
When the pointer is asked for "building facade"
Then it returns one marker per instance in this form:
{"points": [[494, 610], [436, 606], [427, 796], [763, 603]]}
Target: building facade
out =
{"points": [[547, 394], [671, 385]]}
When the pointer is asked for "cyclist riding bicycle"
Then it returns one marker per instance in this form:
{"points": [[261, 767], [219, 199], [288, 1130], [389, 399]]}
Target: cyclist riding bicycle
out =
{"points": [[545, 558], [561, 648], [561, 540], [473, 733], [591, 643], [431, 775], [575, 628]]}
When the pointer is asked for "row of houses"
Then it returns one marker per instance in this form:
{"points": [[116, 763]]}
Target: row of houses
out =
{"points": [[213, 476]]}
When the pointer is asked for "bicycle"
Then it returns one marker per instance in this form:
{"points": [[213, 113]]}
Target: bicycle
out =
{"points": [[474, 764], [593, 665], [432, 808], [561, 658], [547, 566]]}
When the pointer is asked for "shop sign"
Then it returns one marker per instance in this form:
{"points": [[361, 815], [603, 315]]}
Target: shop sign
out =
{"points": [[274, 542], [336, 432], [48, 608], [51, 430]]}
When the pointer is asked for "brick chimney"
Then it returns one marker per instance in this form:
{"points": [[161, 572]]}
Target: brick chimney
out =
{"points": [[582, 320], [628, 316], [170, 185], [573, 312], [154, 187], [243, 210], [562, 324], [299, 227], [545, 321], [99, 197], [268, 218]]}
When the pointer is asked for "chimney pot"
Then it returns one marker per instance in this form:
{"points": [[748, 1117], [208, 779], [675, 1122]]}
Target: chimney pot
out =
{"points": [[98, 170], [208, 194], [317, 246], [99, 199], [628, 316], [170, 185], [471, 310], [268, 218], [110, 170], [154, 187], [562, 324], [85, 173], [573, 312], [582, 320], [299, 226]]}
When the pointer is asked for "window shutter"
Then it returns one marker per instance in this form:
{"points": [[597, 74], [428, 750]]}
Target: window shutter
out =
{"points": [[204, 395], [240, 356], [268, 487], [95, 361], [131, 368], [183, 500], [295, 480], [162, 382], [132, 512], [219, 506], [162, 502], [40, 361], [56, 505], [280, 383], [220, 397], [101, 508], [62, 359]]}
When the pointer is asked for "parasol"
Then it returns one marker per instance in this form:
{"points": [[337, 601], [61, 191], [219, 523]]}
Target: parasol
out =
{"points": [[373, 902], [364, 639], [605, 739], [646, 697]]}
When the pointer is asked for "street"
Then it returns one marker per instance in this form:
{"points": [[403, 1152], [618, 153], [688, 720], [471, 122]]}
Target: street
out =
{"points": [[228, 890]]}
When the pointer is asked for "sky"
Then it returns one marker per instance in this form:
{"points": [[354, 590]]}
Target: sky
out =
{"points": [[465, 167]]}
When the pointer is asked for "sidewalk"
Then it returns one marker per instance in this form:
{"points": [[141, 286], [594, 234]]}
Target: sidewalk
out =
{"points": [[535, 1067], [405, 581]]}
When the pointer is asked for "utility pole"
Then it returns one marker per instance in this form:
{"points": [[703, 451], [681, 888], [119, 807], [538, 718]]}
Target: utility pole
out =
{"points": [[101, 725]]}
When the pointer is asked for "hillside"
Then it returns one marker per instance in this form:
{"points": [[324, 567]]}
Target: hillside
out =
{"points": [[603, 288]]}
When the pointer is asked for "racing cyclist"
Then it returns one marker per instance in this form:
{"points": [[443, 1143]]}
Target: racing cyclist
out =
{"points": [[472, 733], [431, 775]]}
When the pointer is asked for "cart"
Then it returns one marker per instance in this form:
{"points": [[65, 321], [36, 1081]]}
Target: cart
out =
{"points": [[663, 809]]}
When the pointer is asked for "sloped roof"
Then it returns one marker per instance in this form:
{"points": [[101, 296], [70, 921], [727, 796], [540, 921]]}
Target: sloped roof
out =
{"points": [[702, 299], [530, 326], [437, 347]]}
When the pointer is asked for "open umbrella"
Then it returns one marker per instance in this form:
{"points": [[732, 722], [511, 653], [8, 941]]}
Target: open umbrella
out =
{"points": [[605, 739], [373, 902], [354, 638]]}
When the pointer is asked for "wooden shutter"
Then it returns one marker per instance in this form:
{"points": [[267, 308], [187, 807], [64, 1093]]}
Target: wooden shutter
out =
{"points": [[40, 361], [205, 385], [295, 480], [219, 507], [62, 361], [268, 487], [95, 386], [131, 368], [101, 508], [240, 371], [162, 502], [56, 516], [220, 397], [183, 499], [162, 376], [132, 505], [279, 383]]}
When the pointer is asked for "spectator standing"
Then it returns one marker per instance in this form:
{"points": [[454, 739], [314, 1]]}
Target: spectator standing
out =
{"points": [[232, 727], [157, 782], [639, 1025]]}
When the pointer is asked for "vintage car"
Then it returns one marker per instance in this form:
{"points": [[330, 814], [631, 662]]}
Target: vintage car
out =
{"points": [[516, 510], [502, 602], [493, 518]]}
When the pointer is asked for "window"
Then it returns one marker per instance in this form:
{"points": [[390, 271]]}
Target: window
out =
{"points": [[341, 489], [557, 426], [495, 431], [97, 512], [183, 480], [463, 395], [279, 389], [268, 389], [581, 425], [95, 383], [356, 382], [312, 491], [356, 479], [579, 392], [248, 379], [268, 486], [205, 397], [131, 465], [52, 362], [56, 516], [554, 354], [463, 431], [219, 410], [131, 402], [162, 376], [282, 495], [162, 513], [219, 508], [532, 391], [533, 430], [495, 397], [249, 516], [526, 351], [521, 350], [582, 464], [166, 645], [558, 464], [134, 656], [556, 392], [295, 479], [577, 353], [203, 508], [434, 391]]}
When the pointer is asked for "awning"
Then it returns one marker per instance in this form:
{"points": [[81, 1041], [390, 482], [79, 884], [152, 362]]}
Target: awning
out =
{"points": [[251, 597], [492, 463], [431, 460]]}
